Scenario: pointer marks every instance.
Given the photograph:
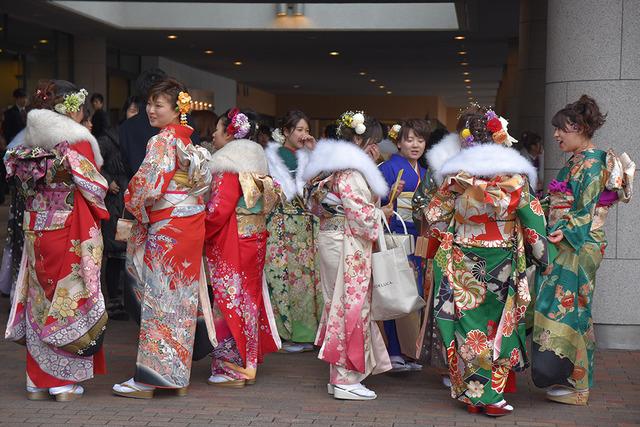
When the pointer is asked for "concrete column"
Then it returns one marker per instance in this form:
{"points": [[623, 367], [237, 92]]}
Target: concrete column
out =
{"points": [[90, 64], [593, 48], [532, 50]]}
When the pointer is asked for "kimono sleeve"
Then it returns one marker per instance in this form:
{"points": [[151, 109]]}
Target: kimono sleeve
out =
{"points": [[362, 216], [152, 179], [440, 209], [88, 180], [534, 227], [225, 193], [586, 187]]}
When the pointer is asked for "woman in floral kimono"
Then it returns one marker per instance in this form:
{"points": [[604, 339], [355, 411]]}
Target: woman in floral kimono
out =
{"points": [[58, 309], [484, 215], [410, 139], [580, 199], [242, 195], [291, 267], [345, 187], [164, 252]]}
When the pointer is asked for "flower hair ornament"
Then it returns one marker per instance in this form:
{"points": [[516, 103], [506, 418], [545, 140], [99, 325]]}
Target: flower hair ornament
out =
{"points": [[277, 136], [353, 120], [183, 106], [394, 132], [239, 125], [71, 102], [496, 124]]}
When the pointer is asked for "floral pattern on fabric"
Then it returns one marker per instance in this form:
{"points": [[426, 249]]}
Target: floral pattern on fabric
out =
{"points": [[481, 289]]}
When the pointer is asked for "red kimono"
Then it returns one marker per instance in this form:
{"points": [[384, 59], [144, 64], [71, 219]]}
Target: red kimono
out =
{"points": [[242, 194], [58, 309]]}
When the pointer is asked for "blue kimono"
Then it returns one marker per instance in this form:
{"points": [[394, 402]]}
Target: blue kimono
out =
{"points": [[390, 169]]}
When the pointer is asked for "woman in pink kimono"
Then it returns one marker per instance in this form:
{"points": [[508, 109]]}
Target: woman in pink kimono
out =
{"points": [[345, 186]]}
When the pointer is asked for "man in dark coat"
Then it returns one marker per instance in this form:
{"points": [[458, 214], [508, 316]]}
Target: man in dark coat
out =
{"points": [[15, 118]]}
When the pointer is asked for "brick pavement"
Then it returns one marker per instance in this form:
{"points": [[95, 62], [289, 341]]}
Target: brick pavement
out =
{"points": [[291, 391]]}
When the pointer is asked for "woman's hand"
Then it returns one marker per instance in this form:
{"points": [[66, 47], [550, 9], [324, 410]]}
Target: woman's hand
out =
{"points": [[400, 186], [373, 151], [308, 142], [556, 236], [387, 210], [114, 188]]}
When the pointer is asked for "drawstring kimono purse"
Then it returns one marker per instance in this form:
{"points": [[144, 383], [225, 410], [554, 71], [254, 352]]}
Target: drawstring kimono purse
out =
{"points": [[394, 292], [123, 228]]}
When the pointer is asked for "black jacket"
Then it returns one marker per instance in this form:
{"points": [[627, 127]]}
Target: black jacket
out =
{"points": [[13, 123]]}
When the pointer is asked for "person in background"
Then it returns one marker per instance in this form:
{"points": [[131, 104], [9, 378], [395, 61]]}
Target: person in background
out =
{"points": [[100, 118], [204, 124], [264, 135], [130, 108], [410, 140], [331, 131], [15, 119], [532, 150]]}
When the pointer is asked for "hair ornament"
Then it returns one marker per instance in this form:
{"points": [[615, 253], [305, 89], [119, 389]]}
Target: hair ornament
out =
{"points": [[394, 132], [495, 124], [278, 136], [71, 103], [183, 105], [239, 125], [353, 120]]}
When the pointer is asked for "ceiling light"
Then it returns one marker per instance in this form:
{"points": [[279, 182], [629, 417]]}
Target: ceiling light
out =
{"points": [[334, 53], [210, 105], [466, 73], [372, 80], [362, 73], [389, 92], [172, 37], [468, 87], [462, 52], [1, 28], [237, 63], [381, 86], [208, 52], [281, 9], [43, 41], [459, 37], [1, 50], [296, 86], [467, 80], [464, 64], [298, 9], [469, 92], [470, 99]]}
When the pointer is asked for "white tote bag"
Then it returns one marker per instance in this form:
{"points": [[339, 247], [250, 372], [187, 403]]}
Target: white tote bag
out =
{"points": [[405, 240], [394, 292]]}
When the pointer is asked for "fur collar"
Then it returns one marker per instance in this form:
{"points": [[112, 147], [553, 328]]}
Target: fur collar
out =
{"points": [[445, 149], [238, 156], [332, 156], [487, 160], [279, 171], [46, 129]]}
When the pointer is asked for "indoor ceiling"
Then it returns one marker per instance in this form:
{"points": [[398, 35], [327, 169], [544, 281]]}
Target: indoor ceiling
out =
{"points": [[404, 62]]}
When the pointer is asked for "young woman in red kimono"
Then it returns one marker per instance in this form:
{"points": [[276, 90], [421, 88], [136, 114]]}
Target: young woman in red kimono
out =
{"points": [[242, 194], [165, 249], [58, 310]]}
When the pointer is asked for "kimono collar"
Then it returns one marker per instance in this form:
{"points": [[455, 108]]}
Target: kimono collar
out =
{"points": [[279, 171], [332, 156], [46, 129], [180, 131]]}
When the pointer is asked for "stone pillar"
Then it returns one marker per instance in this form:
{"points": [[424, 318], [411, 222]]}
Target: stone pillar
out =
{"points": [[90, 64], [593, 48], [532, 50]]}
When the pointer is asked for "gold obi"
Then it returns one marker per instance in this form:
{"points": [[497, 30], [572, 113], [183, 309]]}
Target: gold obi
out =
{"points": [[251, 224]]}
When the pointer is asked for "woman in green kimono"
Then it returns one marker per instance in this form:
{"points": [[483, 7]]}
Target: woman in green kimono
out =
{"points": [[484, 215], [291, 265], [579, 200]]}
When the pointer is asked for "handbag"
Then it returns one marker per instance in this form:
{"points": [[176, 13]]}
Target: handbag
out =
{"points": [[123, 228], [394, 292], [404, 240]]}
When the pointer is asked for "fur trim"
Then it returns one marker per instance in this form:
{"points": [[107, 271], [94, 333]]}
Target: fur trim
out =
{"points": [[302, 155], [438, 155], [487, 161], [279, 171], [238, 156], [333, 156], [46, 129]]}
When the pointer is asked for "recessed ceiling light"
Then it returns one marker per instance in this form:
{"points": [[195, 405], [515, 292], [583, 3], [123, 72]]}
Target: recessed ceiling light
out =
{"points": [[43, 41], [462, 52], [372, 80], [208, 52], [389, 92], [459, 37], [464, 64], [469, 92], [467, 80], [1, 28], [381, 86], [334, 53], [470, 99], [466, 73], [468, 87], [1, 50], [296, 86], [237, 63], [210, 105], [363, 73], [172, 37]]}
